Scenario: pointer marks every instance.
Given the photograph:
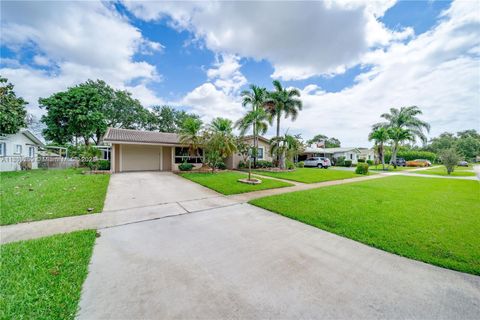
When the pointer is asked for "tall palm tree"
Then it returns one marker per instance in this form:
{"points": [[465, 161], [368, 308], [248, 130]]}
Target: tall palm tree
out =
{"points": [[222, 132], [283, 101], [380, 136], [221, 125], [406, 119], [191, 134], [256, 118]]}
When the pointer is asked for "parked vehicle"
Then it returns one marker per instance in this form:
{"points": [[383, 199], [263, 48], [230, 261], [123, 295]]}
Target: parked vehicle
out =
{"points": [[401, 162], [320, 162], [425, 161], [462, 164]]}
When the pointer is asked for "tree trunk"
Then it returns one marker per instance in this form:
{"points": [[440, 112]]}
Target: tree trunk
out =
{"points": [[249, 169], [278, 135], [382, 156], [254, 150], [394, 154], [282, 160]]}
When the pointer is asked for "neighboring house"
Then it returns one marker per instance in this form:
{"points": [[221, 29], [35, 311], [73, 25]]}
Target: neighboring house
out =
{"points": [[17, 147], [262, 154], [135, 150], [333, 154]]}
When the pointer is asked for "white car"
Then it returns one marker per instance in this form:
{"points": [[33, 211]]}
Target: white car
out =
{"points": [[319, 162]]}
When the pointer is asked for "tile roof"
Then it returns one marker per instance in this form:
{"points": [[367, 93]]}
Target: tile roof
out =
{"points": [[127, 135]]}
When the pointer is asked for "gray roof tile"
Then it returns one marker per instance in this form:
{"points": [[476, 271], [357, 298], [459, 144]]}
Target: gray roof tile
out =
{"points": [[127, 135]]}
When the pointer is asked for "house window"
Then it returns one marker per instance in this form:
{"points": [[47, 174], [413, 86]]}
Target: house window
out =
{"points": [[351, 156], [31, 152], [3, 149], [18, 148], [259, 153], [182, 155]]}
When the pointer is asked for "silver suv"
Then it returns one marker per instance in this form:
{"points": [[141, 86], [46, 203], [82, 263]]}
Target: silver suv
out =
{"points": [[320, 162]]}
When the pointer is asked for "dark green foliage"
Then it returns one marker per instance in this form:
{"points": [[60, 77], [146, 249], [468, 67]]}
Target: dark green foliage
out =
{"points": [[347, 163], [185, 166], [168, 119], [362, 168], [290, 165], [12, 109], [221, 166], [103, 165], [449, 159], [340, 161], [412, 155], [361, 160], [264, 164], [370, 162], [329, 142]]}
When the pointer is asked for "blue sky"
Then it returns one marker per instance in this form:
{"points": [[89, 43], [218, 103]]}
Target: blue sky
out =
{"points": [[352, 61]]}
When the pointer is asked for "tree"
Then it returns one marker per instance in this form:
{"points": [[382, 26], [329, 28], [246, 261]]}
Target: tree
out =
{"points": [[245, 151], [222, 125], [450, 159], [168, 119], [380, 136], [12, 109], [444, 141], [191, 135], [256, 118], [468, 147], [283, 101], [285, 147], [403, 122], [329, 142], [87, 110]]}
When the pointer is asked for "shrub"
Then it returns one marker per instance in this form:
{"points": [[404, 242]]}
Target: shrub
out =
{"points": [[185, 166], [340, 161], [300, 164], [450, 159], [290, 165], [221, 166], [362, 168], [361, 161], [347, 163], [103, 165], [412, 155], [370, 162], [264, 164]]}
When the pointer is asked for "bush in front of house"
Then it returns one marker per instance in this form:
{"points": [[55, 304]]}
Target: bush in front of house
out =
{"points": [[289, 165], [362, 168], [185, 166], [340, 161], [221, 166], [300, 164], [103, 165], [347, 163], [264, 164], [412, 155], [370, 162], [361, 160]]}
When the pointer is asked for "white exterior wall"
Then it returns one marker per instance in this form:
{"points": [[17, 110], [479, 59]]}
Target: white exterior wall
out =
{"points": [[11, 160], [349, 155]]}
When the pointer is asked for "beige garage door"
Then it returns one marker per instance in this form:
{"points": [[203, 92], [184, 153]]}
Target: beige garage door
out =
{"points": [[141, 158]]}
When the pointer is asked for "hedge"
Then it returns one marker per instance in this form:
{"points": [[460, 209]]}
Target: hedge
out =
{"points": [[412, 155]]}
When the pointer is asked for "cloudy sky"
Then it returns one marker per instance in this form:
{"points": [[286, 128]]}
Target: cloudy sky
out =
{"points": [[352, 60]]}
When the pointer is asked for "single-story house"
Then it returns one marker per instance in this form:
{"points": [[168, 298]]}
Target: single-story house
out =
{"points": [[352, 154], [15, 148], [135, 150]]}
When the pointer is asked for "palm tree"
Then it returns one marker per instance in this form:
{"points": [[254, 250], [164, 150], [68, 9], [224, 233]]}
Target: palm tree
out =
{"points": [[222, 131], [398, 135], [283, 101], [190, 134], [380, 136], [221, 125], [286, 146], [256, 118], [404, 118]]}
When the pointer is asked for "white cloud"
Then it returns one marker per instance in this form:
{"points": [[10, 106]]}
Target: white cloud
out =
{"points": [[300, 39], [226, 73], [438, 71], [81, 40]]}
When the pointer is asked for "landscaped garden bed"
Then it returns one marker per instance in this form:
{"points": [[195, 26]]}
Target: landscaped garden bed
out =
{"points": [[310, 175], [431, 220], [46, 194], [442, 171], [227, 183], [42, 278]]}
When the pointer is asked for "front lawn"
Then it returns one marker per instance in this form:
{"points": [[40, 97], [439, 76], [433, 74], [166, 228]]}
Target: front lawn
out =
{"points": [[442, 171], [226, 182], [390, 168], [311, 175], [42, 279], [46, 194], [432, 220]]}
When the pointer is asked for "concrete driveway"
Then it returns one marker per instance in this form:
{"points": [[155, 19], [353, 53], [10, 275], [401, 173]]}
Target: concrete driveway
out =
{"points": [[243, 262], [141, 189]]}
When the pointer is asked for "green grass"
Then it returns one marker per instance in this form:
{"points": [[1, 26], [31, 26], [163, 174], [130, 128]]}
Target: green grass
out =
{"points": [[442, 171], [226, 182], [42, 278], [311, 175], [432, 220], [46, 194], [389, 168]]}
